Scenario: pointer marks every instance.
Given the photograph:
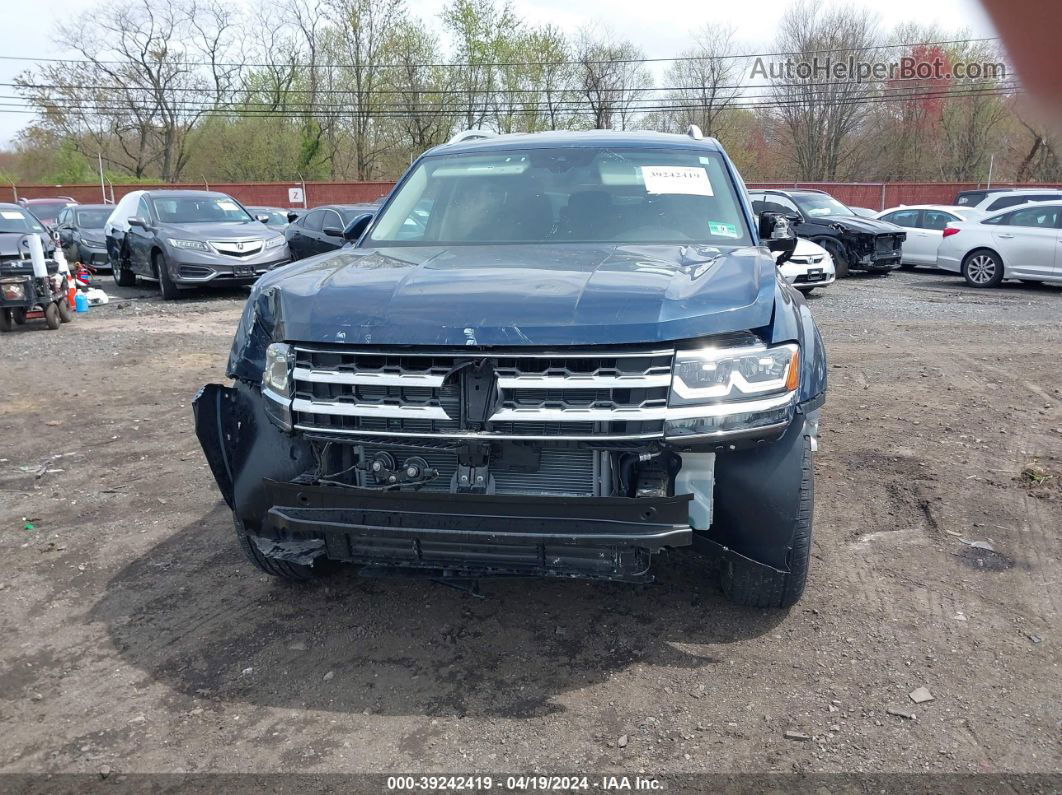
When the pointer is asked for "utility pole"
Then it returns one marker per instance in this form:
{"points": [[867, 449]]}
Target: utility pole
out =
{"points": [[991, 163], [103, 188]]}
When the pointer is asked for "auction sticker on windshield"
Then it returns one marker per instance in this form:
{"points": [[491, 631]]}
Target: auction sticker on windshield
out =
{"points": [[13, 215], [720, 229], [691, 180]]}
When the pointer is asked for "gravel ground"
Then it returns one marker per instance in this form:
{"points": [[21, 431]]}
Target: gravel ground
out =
{"points": [[137, 639]]}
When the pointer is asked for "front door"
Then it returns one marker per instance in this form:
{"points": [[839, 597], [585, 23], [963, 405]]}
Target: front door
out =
{"points": [[1027, 240]]}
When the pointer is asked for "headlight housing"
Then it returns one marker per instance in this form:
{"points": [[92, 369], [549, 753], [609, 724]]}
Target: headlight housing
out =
{"points": [[13, 291], [724, 391], [276, 377], [191, 245], [274, 242]]}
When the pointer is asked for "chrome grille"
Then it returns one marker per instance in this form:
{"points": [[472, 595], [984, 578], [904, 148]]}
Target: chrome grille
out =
{"points": [[237, 248], [578, 394]]}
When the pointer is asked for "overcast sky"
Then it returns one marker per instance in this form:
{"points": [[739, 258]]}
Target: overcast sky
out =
{"points": [[28, 25]]}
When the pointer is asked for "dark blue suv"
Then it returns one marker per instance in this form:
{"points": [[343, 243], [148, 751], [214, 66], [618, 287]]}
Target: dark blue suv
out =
{"points": [[553, 354]]}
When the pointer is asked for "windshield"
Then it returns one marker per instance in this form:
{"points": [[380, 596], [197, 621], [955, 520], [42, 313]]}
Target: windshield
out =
{"points": [[819, 204], [198, 209], [93, 219], [48, 211], [18, 221], [569, 195]]}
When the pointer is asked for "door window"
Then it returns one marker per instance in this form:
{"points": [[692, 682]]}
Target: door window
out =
{"points": [[908, 218], [142, 209], [937, 219], [1039, 217], [773, 203], [314, 220], [332, 218]]}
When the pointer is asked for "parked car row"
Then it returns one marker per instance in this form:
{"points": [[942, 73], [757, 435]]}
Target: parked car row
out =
{"points": [[1019, 242]]}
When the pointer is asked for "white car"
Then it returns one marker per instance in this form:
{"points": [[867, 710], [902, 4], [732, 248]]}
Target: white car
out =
{"points": [[925, 224], [810, 266], [994, 201], [1022, 243]]}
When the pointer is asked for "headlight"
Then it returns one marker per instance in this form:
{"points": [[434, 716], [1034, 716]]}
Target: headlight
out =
{"points": [[194, 245], [13, 292], [718, 391], [277, 374], [273, 242]]}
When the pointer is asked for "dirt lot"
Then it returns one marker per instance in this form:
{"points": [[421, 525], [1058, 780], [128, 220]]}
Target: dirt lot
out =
{"points": [[136, 637]]}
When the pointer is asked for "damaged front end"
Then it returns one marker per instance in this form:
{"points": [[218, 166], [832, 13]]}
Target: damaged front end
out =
{"points": [[578, 462], [870, 251]]}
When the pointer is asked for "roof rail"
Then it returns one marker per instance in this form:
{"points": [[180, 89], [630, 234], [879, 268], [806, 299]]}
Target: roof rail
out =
{"points": [[472, 135], [694, 132]]}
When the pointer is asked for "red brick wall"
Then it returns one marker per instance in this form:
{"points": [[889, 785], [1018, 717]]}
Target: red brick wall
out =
{"points": [[876, 196]]}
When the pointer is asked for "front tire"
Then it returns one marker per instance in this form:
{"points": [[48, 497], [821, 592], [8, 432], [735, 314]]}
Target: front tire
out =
{"points": [[6, 321], [982, 268], [750, 585], [285, 570], [170, 291], [66, 314], [120, 272], [840, 261], [51, 316]]}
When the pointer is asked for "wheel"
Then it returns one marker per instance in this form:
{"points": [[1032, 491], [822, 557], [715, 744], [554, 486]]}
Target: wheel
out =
{"points": [[750, 585], [170, 291], [840, 261], [982, 268], [66, 314], [120, 271], [51, 316], [285, 570], [19, 316], [6, 323]]}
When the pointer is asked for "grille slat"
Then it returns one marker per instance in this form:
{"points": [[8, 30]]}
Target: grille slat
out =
{"points": [[552, 394]]}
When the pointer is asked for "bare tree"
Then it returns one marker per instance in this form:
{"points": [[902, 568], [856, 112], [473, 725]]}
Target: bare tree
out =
{"points": [[705, 83], [612, 79], [820, 113]]}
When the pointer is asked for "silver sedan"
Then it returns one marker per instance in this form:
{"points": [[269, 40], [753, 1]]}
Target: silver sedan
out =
{"points": [[925, 224], [1021, 243]]}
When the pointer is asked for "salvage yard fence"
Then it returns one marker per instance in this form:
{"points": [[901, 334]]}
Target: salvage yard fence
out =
{"points": [[873, 195]]}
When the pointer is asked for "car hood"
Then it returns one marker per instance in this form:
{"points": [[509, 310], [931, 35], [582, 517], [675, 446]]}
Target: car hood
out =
{"points": [[514, 295], [240, 230], [853, 223]]}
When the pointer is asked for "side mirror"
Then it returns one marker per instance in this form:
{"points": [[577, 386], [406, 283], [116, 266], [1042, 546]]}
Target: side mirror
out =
{"points": [[263, 218], [356, 228], [777, 234], [292, 217], [332, 231], [136, 220]]}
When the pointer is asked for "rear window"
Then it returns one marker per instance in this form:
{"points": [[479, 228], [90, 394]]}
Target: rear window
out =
{"points": [[570, 195]]}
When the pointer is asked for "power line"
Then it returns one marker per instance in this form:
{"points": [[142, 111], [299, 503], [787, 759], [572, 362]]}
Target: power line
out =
{"points": [[564, 99], [499, 64], [457, 111], [451, 91]]}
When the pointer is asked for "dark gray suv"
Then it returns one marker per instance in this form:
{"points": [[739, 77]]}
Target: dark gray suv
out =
{"points": [[189, 238]]}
